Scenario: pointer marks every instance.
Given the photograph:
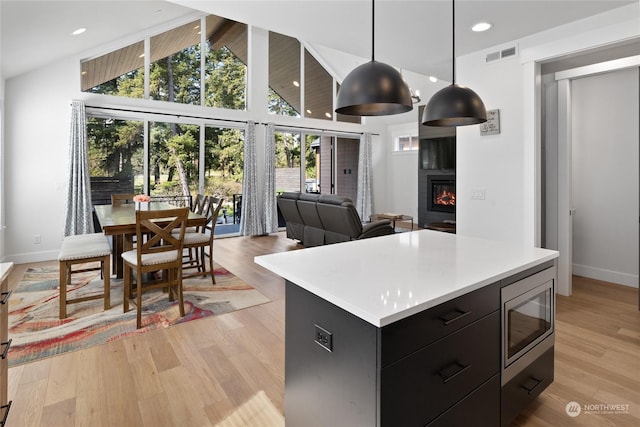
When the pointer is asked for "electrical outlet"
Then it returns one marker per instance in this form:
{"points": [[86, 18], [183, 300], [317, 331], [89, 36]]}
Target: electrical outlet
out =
{"points": [[37, 239], [324, 338], [478, 194]]}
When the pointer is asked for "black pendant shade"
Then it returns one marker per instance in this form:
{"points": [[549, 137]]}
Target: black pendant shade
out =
{"points": [[454, 105], [374, 89]]}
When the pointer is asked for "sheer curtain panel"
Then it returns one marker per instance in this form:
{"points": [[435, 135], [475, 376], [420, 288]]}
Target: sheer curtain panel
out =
{"points": [[251, 223], [364, 201], [79, 218], [270, 209]]}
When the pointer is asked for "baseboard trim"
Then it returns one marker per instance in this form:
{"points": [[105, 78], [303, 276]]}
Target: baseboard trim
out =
{"points": [[606, 275], [32, 257]]}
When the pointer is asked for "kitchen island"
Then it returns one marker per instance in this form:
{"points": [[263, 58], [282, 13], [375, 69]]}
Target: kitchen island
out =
{"points": [[404, 329]]}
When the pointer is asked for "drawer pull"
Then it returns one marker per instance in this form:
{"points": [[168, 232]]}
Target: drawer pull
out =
{"points": [[6, 348], [447, 375], [530, 388], [5, 297], [6, 408], [453, 316]]}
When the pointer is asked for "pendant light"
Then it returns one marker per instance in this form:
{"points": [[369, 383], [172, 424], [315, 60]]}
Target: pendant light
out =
{"points": [[373, 88], [455, 105]]}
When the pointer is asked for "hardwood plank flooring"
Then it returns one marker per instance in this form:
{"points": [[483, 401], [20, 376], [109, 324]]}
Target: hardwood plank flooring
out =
{"points": [[228, 370]]}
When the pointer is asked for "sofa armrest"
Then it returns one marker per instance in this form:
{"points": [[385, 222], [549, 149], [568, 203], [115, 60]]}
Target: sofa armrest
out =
{"points": [[376, 228]]}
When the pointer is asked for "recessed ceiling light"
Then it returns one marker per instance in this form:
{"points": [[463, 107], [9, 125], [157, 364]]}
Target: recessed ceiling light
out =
{"points": [[328, 115], [296, 84], [141, 55], [481, 26], [433, 79], [308, 111], [79, 31]]}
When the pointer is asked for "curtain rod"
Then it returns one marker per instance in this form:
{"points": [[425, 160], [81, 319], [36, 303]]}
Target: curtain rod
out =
{"points": [[179, 116]]}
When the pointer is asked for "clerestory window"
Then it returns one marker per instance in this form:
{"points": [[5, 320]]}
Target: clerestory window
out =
{"points": [[177, 71]]}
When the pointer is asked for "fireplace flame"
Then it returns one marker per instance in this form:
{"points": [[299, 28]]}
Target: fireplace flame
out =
{"points": [[446, 198]]}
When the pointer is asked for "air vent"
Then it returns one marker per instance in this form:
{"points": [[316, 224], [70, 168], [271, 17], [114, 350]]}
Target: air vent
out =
{"points": [[501, 54], [493, 56], [504, 53]]}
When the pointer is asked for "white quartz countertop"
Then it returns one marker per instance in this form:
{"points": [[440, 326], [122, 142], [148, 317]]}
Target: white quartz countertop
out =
{"points": [[385, 279]]}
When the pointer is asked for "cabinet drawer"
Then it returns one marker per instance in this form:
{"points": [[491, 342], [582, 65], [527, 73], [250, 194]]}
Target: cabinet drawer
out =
{"points": [[405, 336], [526, 386], [418, 388], [480, 409]]}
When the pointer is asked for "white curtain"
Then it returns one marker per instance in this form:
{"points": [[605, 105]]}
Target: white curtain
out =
{"points": [[270, 209], [251, 223], [364, 200], [79, 216]]}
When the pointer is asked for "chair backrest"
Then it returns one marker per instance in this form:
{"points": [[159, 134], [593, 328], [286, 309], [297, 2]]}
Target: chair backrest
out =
{"points": [[214, 204], [157, 226], [200, 204], [122, 199]]}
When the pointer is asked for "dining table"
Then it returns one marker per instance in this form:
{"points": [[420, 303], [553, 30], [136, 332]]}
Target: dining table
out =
{"points": [[119, 222]]}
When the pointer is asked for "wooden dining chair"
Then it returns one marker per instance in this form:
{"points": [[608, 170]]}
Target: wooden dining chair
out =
{"points": [[201, 239], [161, 250], [122, 199]]}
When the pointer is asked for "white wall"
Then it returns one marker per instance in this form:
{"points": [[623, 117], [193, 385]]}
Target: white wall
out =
{"points": [[37, 121], [506, 166], [493, 163], [605, 111]]}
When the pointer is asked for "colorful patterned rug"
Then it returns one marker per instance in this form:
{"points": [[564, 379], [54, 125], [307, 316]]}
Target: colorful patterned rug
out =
{"points": [[37, 332]]}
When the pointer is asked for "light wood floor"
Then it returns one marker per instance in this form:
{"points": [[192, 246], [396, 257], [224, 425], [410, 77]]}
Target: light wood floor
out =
{"points": [[228, 370]]}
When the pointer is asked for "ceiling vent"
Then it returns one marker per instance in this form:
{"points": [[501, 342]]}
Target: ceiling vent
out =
{"points": [[502, 54]]}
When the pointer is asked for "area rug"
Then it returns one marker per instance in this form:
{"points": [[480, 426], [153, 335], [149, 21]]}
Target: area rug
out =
{"points": [[37, 332]]}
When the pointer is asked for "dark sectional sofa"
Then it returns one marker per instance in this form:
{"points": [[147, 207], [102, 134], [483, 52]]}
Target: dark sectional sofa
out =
{"points": [[321, 219]]}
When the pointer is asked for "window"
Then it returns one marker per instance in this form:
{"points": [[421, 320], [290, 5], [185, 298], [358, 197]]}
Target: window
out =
{"points": [[116, 150], [318, 93], [173, 159], [119, 73], [223, 173], [284, 75], [288, 165], [226, 64], [175, 66], [174, 74], [406, 143]]}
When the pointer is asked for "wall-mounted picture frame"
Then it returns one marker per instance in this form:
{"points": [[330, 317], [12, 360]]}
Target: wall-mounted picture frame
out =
{"points": [[492, 125]]}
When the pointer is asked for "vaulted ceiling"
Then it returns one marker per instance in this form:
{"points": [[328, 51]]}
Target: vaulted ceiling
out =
{"points": [[414, 35]]}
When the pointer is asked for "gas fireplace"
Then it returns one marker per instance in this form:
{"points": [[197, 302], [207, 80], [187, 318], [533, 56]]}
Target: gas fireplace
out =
{"points": [[441, 193]]}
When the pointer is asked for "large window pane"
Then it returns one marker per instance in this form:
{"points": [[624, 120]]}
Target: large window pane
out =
{"points": [[287, 161], [173, 159], [119, 73], [284, 75], [224, 161], [116, 150], [318, 89], [226, 64], [175, 65]]}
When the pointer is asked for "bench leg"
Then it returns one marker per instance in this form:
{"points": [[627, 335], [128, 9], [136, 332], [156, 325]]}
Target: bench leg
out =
{"points": [[63, 289]]}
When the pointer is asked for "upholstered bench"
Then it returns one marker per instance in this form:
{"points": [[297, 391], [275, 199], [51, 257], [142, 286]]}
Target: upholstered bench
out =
{"points": [[81, 249]]}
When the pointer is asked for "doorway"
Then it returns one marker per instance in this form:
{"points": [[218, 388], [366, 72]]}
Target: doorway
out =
{"points": [[597, 145]]}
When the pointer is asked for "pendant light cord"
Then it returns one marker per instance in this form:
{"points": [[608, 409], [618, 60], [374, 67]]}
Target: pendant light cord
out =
{"points": [[373, 33], [453, 41]]}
